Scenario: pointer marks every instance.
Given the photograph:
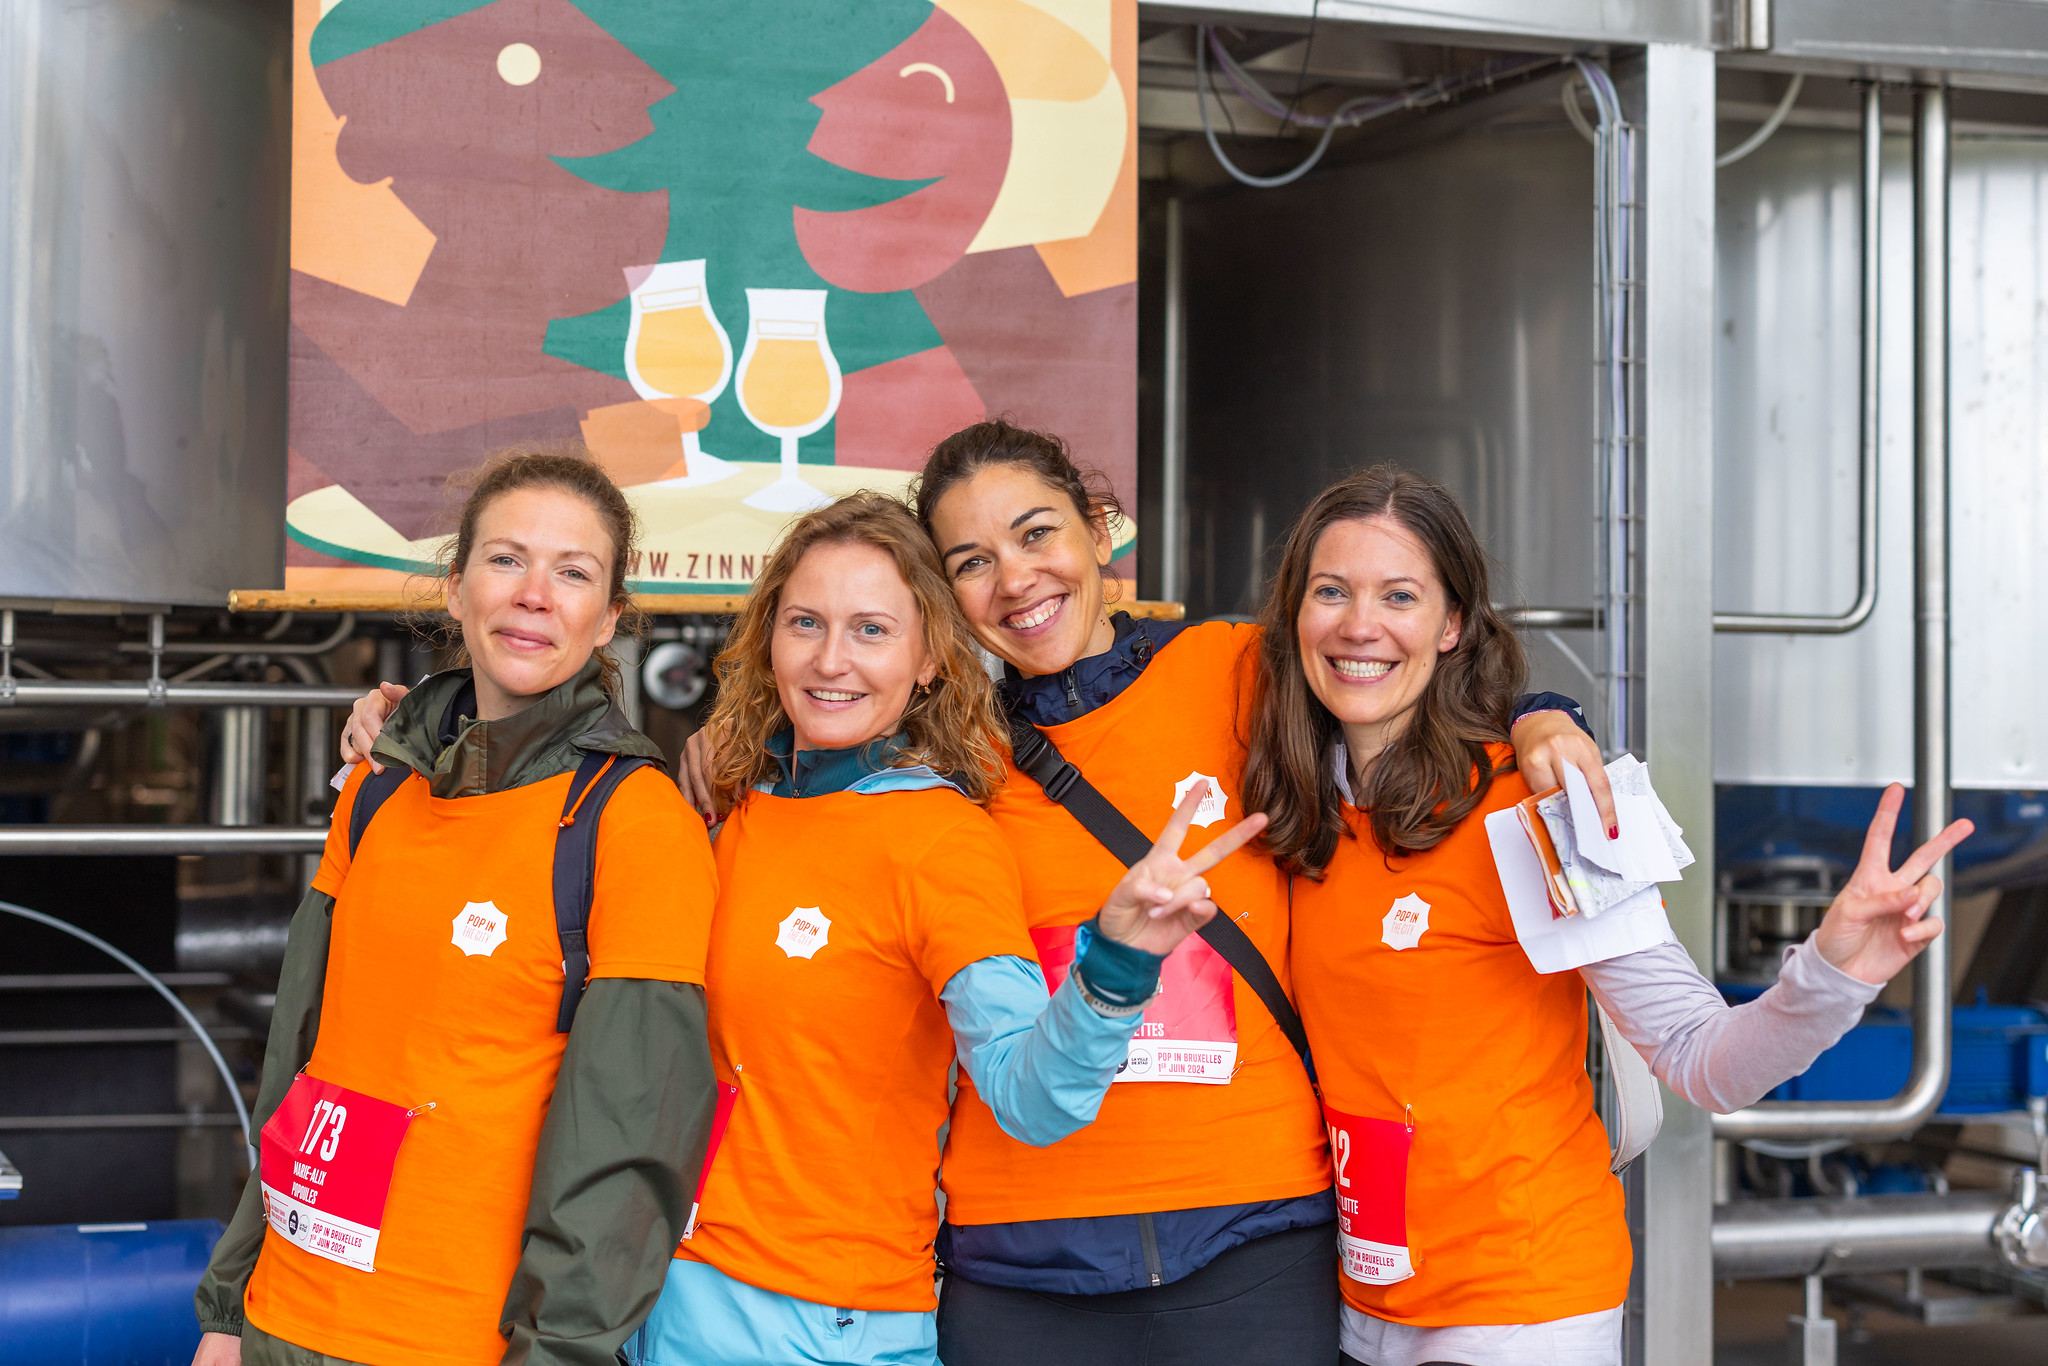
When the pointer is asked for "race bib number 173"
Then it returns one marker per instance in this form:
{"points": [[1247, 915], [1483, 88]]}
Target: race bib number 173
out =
{"points": [[326, 1160]]}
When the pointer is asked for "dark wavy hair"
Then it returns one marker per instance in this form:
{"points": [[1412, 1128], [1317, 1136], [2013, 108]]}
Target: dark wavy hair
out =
{"points": [[1432, 775], [998, 441]]}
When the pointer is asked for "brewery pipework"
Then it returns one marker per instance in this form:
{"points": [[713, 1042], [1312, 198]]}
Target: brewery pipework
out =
{"points": [[1918, 1098]]}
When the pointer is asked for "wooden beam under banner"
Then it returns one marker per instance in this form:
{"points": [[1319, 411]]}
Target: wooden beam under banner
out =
{"points": [[655, 604]]}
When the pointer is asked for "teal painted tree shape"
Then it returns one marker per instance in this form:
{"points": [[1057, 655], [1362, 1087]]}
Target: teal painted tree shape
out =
{"points": [[730, 148]]}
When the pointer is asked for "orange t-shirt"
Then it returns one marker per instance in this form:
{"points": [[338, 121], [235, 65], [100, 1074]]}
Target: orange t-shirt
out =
{"points": [[408, 1016], [1155, 1145], [840, 920], [1432, 1015]]}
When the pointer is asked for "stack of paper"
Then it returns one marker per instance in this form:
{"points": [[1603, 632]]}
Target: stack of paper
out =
{"points": [[1585, 872]]}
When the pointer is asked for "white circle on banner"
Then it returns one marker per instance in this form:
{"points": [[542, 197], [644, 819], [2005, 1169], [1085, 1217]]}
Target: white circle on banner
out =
{"points": [[518, 64]]}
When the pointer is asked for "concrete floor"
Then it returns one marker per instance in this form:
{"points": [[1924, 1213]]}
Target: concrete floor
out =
{"points": [[1749, 1330]]}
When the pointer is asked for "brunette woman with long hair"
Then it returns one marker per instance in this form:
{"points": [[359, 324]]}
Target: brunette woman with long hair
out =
{"points": [[1481, 1222]]}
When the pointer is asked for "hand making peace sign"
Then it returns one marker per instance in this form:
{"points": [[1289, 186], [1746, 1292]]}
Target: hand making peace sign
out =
{"points": [[1876, 923], [1164, 898]]}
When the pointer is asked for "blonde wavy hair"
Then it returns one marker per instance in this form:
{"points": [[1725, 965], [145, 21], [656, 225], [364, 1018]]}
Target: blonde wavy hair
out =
{"points": [[953, 726]]}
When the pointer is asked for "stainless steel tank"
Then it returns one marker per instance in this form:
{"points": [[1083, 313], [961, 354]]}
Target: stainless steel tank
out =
{"points": [[145, 153], [1839, 709], [1431, 307]]}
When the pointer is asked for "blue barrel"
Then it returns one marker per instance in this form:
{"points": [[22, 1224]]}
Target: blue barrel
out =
{"points": [[102, 1294]]}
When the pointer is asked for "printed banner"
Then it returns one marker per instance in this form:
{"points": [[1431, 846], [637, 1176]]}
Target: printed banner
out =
{"points": [[755, 255]]}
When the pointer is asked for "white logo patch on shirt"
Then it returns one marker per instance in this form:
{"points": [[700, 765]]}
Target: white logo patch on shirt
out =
{"points": [[1213, 801], [1406, 923], [479, 929], [802, 932]]}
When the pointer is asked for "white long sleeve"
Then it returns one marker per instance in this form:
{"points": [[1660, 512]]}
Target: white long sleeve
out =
{"points": [[1723, 1057]]}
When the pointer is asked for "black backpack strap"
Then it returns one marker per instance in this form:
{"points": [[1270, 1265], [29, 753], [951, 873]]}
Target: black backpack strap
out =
{"points": [[1038, 758], [376, 789], [597, 777]]}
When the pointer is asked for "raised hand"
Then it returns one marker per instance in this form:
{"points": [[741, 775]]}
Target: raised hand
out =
{"points": [[366, 723], [1545, 743], [1164, 898], [1877, 923]]}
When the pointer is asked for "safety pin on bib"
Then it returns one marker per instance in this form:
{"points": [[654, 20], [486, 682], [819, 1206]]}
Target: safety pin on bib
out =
{"points": [[419, 1110]]}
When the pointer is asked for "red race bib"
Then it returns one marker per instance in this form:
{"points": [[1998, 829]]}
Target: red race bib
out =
{"points": [[722, 1116], [327, 1156], [1190, 1029], [1370, 1157]]}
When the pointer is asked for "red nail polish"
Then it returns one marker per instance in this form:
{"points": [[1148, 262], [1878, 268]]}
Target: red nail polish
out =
{"points": [[1614, 832]]}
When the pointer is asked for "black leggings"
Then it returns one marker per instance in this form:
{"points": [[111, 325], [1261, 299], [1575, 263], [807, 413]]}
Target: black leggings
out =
{"points": [[1272, 1300]]}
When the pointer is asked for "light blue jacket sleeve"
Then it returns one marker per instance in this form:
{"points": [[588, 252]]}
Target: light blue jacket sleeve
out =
{"points": [[1041, 1065]]}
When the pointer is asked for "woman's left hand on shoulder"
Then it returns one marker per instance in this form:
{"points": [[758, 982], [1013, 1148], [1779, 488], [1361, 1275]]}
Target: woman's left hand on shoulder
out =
{"points": [[1878, 922], [1164, 898], [1546, 743]]}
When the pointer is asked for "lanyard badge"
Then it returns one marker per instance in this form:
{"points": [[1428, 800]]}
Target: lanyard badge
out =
{"points": [[326, 1161], [1371, 1161]]}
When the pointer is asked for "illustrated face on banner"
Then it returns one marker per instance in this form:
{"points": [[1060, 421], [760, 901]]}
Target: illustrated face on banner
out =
{"points": [[932, 107], [479, 190]]}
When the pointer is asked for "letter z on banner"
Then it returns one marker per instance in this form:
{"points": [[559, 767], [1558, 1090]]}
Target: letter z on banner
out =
{"points": [[327, 1156], [1189, 1031]]}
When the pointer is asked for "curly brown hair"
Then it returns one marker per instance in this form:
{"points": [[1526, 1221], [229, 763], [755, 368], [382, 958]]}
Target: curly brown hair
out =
{"points": [[952, 726], [1437, 769], [565, 465]]}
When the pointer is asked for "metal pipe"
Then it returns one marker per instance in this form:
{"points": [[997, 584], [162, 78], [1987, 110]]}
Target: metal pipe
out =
{"points": [[1173, 445], [53, 1038], [161, 839], [343, 629], [119, 693], [1754, 1239], [1551, 618], [1928, 1081], [237, 797], [1867, 391], [38, 1123]]}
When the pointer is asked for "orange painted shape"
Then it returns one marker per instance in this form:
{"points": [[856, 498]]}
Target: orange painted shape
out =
{"points": [[1108, 255], [361, 237], [1039, 57], [638, 442]]}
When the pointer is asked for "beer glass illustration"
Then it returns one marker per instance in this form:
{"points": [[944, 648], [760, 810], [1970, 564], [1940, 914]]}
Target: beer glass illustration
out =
{"points": [[675, 348], [788, 385]]}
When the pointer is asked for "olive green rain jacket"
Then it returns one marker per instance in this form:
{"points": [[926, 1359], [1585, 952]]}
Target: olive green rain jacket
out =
{"points": [[626, 1131]]}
